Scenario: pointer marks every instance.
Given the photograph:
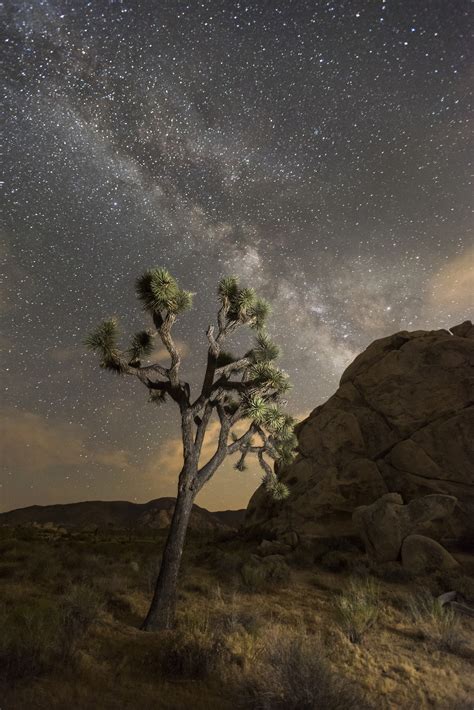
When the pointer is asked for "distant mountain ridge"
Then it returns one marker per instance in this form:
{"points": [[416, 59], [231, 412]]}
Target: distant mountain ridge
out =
{"points": [[119, 514]]}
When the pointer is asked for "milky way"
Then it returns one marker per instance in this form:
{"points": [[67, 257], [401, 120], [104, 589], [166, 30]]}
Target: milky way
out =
{"points": [[320, 150]]}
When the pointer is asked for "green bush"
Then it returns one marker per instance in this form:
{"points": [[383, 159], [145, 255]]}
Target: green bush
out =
{"points": [[357, 608]]}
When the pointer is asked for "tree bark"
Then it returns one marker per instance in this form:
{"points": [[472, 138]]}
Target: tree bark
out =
{"points": [[161, 615]]}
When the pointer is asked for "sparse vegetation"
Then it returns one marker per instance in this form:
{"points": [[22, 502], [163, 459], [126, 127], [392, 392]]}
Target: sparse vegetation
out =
{"points": [[67, 642], [292, 673], [357, 608], [438, 623], [265, 574]]}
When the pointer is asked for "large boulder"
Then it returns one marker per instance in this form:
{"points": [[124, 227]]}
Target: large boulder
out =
{"points": [[402, 421], [384, 525], [422, 555]]}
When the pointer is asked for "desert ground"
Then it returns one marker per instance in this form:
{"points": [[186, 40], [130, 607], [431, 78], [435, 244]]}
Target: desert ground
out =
{"points": [[320, 628]]}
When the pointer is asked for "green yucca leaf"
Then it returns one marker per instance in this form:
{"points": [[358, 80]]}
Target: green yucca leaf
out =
{"points": [[265, 350], [183, 301], [245, 301], [104, 338], [274, 419], [267, 375], [157, 289], [141, 345], [256, 408], [228, 289], [279, 491], [259, 313]]}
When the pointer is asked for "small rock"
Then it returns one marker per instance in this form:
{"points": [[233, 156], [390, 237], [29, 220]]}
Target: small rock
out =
{"points": [[421, 555]]}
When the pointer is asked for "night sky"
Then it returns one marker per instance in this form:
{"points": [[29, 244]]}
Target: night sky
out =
{"points": [[318, 149]]}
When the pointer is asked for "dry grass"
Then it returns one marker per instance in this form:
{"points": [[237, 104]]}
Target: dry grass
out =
{"points": [[438, 623], [291, 672], [357, 608], [73, 640]]}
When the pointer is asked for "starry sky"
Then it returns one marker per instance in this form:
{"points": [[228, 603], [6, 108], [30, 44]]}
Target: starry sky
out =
{"points": [[320, 150]]}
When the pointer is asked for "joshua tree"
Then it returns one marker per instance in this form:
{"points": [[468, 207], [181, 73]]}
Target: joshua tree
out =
{"points": [[233, 389]]}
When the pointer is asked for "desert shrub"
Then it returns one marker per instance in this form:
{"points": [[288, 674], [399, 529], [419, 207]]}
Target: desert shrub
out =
{"points": [[265, 574], [43, 566], [31, 640], [231, 617], [189, 654], [291, 673], [435, 622], [80, 608], [194, 650], [253, 576], [357, 608]]}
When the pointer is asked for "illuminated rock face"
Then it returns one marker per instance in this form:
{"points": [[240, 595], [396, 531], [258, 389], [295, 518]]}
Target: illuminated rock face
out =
{"points": [[402, 421]]}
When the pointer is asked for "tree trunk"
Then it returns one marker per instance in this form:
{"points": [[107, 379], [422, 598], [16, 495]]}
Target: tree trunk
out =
{"points": [[163, 606]]}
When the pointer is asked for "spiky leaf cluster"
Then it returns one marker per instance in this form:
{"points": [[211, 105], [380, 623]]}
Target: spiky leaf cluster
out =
{"points": [[266, 375], [259, 313], [256, 408], [277, 489], [265, 350], [228, 290], [284, 438], [242, 304], [141, 345], [159, 292], [279, 425], [103, 340]]}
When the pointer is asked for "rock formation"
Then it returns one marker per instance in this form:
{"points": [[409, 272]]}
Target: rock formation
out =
{"points": [[385, 524], [402, 421]]}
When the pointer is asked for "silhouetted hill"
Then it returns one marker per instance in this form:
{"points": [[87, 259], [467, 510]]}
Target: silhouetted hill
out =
{"points": [[119, 514]]}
